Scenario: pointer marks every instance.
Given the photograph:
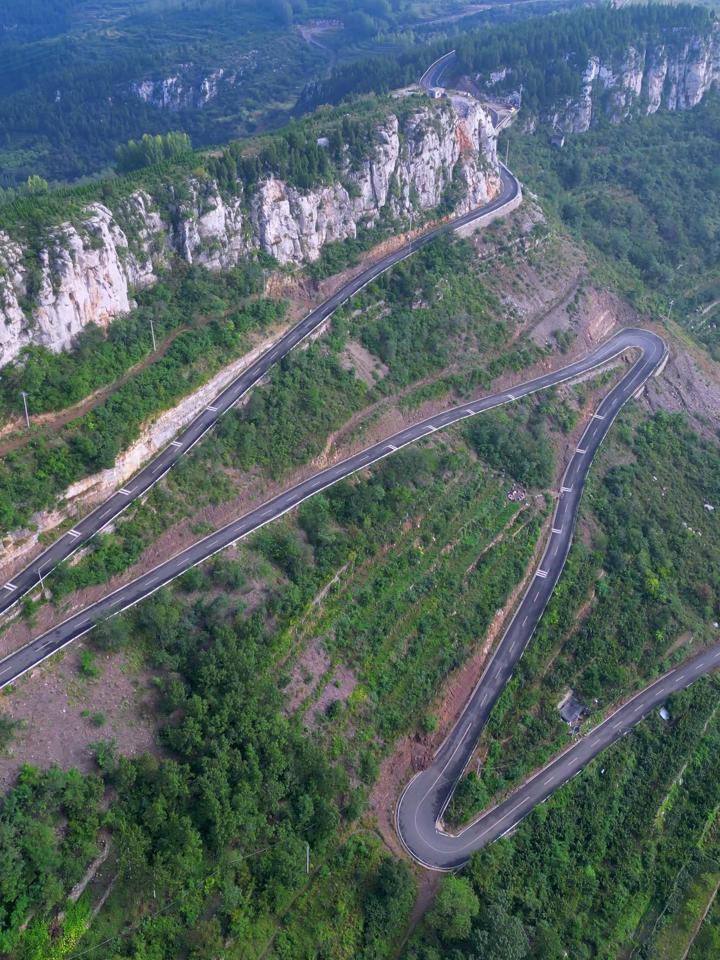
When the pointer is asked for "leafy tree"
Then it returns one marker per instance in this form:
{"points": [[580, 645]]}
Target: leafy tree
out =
{"points": [[500, 936], [152, 149], [455, 908]]}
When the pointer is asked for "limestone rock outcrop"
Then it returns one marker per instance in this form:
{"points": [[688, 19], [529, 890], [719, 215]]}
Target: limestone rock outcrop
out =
{"points": [[645, 80], [87, 270]]}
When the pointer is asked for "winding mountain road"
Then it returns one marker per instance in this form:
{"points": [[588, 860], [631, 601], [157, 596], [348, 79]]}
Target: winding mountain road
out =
{"points": [[652, 354], [421, 806], [424, 800], [14, 588]]}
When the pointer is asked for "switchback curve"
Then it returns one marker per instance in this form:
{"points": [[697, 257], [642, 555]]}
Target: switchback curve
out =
{"points": [[652, 354]]}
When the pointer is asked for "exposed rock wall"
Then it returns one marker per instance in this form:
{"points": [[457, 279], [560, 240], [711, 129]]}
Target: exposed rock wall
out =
{"points": [[87, 270], [191, 88], [646, 79]]}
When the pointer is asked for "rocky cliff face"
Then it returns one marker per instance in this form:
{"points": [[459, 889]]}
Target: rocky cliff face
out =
{"points": [[87, 270], [644, 80], [191, 88]]}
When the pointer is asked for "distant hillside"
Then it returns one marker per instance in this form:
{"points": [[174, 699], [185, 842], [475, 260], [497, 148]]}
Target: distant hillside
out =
{"points": [[569, 69], [79, 77]]}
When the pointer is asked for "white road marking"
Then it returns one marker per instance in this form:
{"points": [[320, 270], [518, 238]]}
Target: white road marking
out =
{"points": [[391, 447], [597, 416], [175, 443], [74, 533], [524, 622], [547, 781], [511, 812], [557, 529], [124, 492], [580, 450], [536, 596], [542, 574], [565, 489], [9, 586], [214, 409], [430, 427]]}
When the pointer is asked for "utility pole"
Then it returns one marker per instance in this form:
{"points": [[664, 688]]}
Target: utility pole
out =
{"points": [[307, 858], [27, 416], [152, 331]]}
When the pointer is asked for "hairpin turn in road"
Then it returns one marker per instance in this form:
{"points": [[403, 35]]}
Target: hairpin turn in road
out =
{"points": [[424, 800]]}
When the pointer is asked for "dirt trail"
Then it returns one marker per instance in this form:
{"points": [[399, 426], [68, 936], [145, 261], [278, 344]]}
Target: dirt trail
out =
{"points": [[51, 422]]}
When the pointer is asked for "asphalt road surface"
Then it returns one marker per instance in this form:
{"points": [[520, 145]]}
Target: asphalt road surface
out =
{"points": [[428, 793], [434, 73], [14, 588], [423, 802], [652, 352]]}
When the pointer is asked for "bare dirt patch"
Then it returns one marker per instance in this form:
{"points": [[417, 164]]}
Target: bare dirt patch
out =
{"points": [[337, 690], [366, 365], [690, 384], [307, 671], [55, 706]]}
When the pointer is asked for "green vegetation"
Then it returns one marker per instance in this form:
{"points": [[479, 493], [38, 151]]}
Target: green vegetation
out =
{"points": [[38, 859], [213, 835], [353, 909], [518, 444], [79, 77], [213, 318], [588, 874], [692, 895], [644, 196], [525, 49], [149, 150], [707, 942], [439, 306], [647, 580], [163, 165]]}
